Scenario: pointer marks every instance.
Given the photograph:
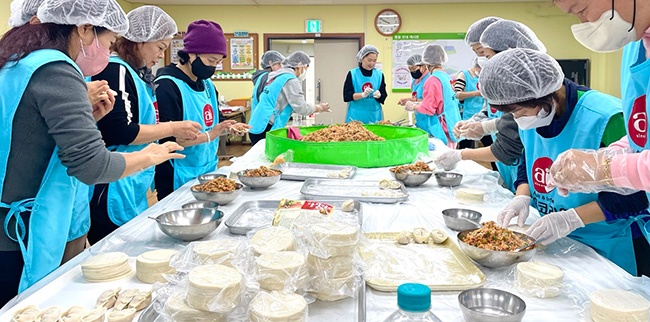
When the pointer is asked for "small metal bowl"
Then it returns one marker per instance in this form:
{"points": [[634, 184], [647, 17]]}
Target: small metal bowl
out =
{"points": [[495, 258], [209, 177], [448, 179], [258, 182], [461, 219], [412, 179], [491, 305], [222, 198], [189, 224], [200, 204]]}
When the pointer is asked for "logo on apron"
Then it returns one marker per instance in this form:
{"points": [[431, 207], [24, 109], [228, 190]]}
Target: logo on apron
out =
{"points": [[541, 173], [637, 125], [414, 95], [155, 107], [208, 115], [366, 85]]}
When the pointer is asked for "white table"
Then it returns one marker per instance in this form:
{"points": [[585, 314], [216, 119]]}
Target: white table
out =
{"points": [[584, 269]]}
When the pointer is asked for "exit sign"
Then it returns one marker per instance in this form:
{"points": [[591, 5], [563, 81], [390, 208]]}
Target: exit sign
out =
{"points": [[313, 26]]}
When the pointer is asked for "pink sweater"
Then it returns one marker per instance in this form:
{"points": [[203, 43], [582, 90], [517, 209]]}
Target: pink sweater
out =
{"points": [[630, 170], [432, 101]]}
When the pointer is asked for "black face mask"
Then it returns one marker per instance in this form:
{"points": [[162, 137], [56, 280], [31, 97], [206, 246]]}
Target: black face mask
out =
{"points": [[416, 74], [200, 70]]}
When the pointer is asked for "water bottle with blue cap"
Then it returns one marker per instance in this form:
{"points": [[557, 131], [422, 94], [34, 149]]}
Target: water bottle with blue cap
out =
{"points": [[414, 302]]}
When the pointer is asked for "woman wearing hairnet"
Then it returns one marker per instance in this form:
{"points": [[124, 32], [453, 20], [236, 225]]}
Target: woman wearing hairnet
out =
{"points": [[605, 27], [364, 89], [270, 62], [60, 144], [133, 122], [507, 148], [469, 97], [282, 96], [185, 93], [474, 32], [420, 74], [554, 115], [438, 112]]}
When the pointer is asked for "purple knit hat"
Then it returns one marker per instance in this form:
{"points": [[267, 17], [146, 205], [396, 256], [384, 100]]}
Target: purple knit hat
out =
{"points": [[204, 37]]}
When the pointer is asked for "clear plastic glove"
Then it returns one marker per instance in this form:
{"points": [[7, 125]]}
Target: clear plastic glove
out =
{"points": [[448, 160], [367, 92], [519, 207], [555, 226], [458, 127], [477, 130], [322, 107], [411, 106], [585, 171], [404, 100], [376, 94]]}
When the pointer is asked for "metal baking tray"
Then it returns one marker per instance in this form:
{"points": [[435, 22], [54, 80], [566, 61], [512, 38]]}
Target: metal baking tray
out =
{"points": [[259, 213], [304, 171], [350, 189]]}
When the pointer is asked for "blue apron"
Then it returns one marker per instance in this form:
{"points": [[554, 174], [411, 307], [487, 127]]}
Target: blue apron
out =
{"points": [[198, 107], [261, 116], [432, 123], [507, 172], [256, 88], [584, 130], [366, 110], [51, 209], [417, 86], [474, 104], [127, 197]]}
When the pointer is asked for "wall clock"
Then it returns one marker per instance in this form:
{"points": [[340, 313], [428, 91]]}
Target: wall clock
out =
{"points": [[388, 22]]}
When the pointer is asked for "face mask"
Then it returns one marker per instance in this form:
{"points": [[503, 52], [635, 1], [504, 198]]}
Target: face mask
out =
{"points": [[604, 35], [482, 61], [535, 121], [92, 59], [200, 70], [416, 74], [303, 76]]}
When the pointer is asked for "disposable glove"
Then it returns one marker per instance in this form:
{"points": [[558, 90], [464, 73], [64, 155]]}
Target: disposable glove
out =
{"points": [[555, 225], [322, 107], [411, 106], [457, 127], [448, 160], [376, 94], [477, 130], [519, 207], [367, 92]]}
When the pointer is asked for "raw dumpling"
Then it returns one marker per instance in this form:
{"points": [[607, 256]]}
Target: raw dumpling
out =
{"points": [[121, 316], [51, 314], [389, 184], [108, 298], [27, 314], [94, 315], [438, 236], [348, 205], [73, 314], [404, 237], [125, 298], [421, 235], [141, 300]]}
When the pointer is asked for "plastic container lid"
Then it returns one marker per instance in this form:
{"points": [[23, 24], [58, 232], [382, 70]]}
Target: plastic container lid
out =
{"points": [[413, 297]]}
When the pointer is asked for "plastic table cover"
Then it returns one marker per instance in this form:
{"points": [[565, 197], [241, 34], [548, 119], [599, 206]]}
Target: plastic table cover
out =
{"points": [[585, 270]]}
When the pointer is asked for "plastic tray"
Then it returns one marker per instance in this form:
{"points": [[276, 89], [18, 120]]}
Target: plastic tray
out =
{"points": [[259, 213], [442, 267], [304, 171], [350, 189]]}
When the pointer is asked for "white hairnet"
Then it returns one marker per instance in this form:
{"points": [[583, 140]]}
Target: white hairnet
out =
{"points": [[475, 31], [271, 58], [296, 59], [149, 24], [367, 49], [414, 60], [434, 55], [99, 13], [518, 75], [22, 11], [508, 34]]}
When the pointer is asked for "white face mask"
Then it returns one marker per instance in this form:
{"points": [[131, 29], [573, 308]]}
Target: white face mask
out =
{"points": [[482, 61], [540, 120], [605, 35], [303, 76]]}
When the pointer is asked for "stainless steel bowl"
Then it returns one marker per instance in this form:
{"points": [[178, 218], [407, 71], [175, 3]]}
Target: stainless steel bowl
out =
{"points": [[189, 224], [494, 258], [222, 198], [461, 219], [412, 179], [448, 179], [258, 182], [200, 204], [209, 177], [491, 305]]}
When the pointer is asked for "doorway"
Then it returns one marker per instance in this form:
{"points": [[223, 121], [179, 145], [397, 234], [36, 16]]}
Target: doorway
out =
{"points": [[333, 55]]}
